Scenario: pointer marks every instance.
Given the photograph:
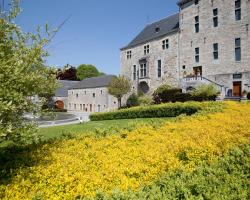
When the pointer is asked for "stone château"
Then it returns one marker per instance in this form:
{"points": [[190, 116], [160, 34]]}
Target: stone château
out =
{"points": [[208, 41]]}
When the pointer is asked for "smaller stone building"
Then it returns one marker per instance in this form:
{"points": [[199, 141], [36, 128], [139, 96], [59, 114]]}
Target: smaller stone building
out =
{"points": [[61, 94], [91, 95]]}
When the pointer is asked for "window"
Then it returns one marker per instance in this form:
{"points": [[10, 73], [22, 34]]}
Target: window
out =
{"points": [[215, 19], [80, 106], [237, 49], [76, 95], [165, 44], [93, 95], [197, 71], [75, 106], [238, 10], [83, 107], [90, 107], [197, 54], [143, 70], [85, 92], [216, 51], [184, 67], [197, 24], [237, 76], [146, 49], [99, 108], [101, 91], [129, 54], [134, 72], [157, 29], [196, 2], [159, 68], [69, 105]]}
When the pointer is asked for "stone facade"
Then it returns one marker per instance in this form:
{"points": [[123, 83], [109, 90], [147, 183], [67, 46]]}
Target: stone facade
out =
{"points": [[179, 62], [90, 100], [61, 94], [225, 70], [167, 57]]}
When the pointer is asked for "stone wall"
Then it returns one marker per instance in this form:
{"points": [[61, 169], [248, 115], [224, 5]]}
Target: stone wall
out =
{"points": [[91, 100], [220, 70], [179, 60], [168, 58]]}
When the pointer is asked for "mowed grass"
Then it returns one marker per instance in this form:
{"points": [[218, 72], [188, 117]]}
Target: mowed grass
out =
{"points": [[95, 126]]}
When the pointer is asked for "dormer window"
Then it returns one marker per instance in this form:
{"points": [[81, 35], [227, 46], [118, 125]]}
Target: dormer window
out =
{"points": [[157, 29]]}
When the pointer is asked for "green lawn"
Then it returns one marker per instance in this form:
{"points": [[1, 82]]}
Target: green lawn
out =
{"points": [[113, 126]]}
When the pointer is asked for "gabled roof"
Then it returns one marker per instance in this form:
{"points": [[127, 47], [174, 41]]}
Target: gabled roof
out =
{"points": [[155, 30], [62, 91], [95, 82]]}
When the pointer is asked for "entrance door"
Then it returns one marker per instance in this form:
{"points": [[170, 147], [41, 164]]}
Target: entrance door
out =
{"points": [[197, 71], [59, 104], [237, 89]]}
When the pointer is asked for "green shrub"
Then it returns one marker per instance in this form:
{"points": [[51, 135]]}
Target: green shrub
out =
{"points": [[248, 96], [165, 94], [59, 110], [145, 100], [205, 92], [183, 97], [132, 101], [153, 111]]}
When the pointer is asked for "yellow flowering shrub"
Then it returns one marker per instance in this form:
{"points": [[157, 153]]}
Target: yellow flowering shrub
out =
{"points": [[82, 166]]}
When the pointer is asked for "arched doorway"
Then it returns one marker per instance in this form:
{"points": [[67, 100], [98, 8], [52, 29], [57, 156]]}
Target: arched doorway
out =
{"points": [[143, 87], [59, 104]]}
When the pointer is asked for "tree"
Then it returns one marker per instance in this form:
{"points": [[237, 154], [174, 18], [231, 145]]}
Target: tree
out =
{"points": [[23, 75], [87, 71], [68, 73], [118, 87]]}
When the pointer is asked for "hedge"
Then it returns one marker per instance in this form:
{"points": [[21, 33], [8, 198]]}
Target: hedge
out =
{"points": [[154, 111]]}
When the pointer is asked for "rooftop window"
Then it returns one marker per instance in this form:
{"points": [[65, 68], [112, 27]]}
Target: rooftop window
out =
{"points": [[157, 29]]}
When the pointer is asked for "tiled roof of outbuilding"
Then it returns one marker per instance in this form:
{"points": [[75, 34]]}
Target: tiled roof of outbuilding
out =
{"points": [[155, 30], [95, 82], [62, 91]]}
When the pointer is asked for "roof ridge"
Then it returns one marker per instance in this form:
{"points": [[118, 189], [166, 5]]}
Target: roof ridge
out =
{"points": [[162, 19], [167, 25]]}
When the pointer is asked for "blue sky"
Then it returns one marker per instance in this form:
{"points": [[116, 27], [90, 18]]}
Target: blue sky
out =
{"points": [[96, 30]]}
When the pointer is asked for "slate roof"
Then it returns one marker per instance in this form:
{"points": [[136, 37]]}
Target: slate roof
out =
{"points": [[165, 26], [181, 2], [95, 82], [62, 91]]}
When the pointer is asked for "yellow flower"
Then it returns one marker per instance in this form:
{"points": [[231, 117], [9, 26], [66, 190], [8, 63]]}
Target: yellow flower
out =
{"points": [[82, 166]]}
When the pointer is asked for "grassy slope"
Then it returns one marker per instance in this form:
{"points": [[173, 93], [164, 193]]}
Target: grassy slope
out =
{"points": [[58, 131]]}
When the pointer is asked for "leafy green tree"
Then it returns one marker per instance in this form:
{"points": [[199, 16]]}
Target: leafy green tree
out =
{"points": [[118, 87], [87, 71], [23, 75]]}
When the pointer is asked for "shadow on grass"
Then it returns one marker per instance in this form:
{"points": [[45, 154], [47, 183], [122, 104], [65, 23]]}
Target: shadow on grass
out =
{"points": [[13, 158]]}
